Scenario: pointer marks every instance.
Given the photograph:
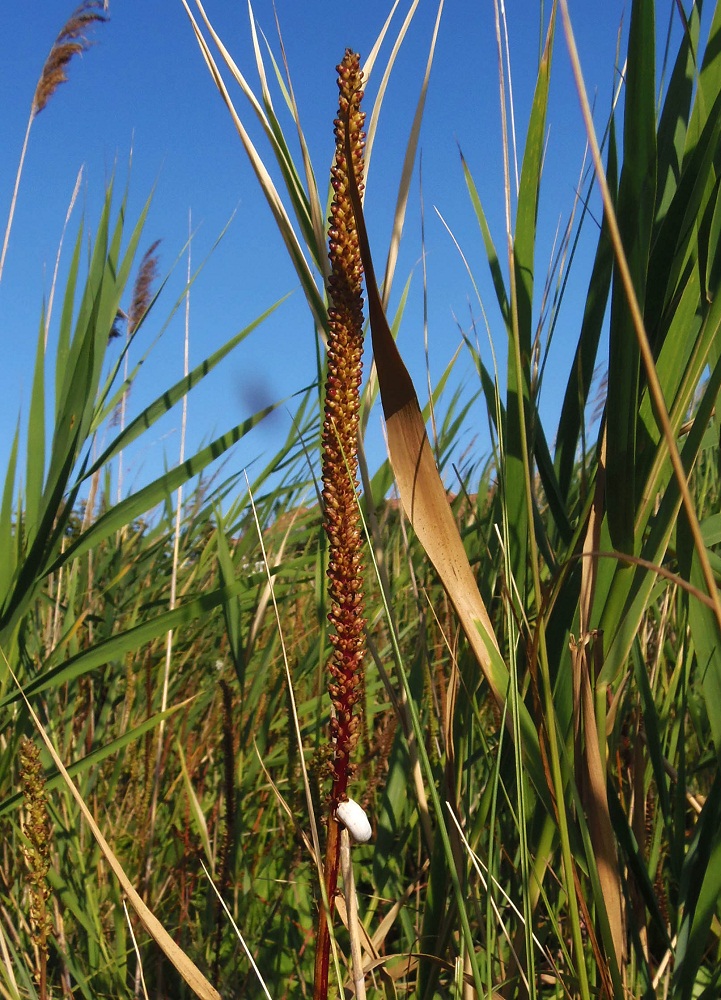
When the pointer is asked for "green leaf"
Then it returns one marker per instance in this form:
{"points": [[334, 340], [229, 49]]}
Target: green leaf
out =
{"points": [[674, 121], [35, 474], [129, 641], [571, 421], [699, 891], [635, 212], [165, 402], [518, 404], [493, 262], [8, 550]]}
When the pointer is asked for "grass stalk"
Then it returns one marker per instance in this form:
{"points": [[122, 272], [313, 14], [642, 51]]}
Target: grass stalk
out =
{"points": [[351, 901]]}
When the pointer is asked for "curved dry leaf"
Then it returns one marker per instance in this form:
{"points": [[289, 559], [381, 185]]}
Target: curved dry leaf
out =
{"points": [[421, 491]]}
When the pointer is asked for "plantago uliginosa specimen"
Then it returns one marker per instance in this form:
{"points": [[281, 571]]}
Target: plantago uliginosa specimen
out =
{"points": [[340, 465]]}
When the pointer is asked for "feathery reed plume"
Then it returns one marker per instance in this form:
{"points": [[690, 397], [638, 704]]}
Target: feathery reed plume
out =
{"points": [[37, 855], [139, 305], [143, 288], [340, 484], [71, 41]]}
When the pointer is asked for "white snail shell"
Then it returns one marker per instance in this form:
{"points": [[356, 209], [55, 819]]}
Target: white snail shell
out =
{"points": [[355, 821]]}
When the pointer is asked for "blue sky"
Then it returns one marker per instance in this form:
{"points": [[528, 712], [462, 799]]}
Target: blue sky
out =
{"points": [[144, 87]]}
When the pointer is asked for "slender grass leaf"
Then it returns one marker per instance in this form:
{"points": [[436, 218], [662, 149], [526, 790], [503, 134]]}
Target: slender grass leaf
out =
{"points": [[196, 811], [627, 600], [516, 442], [129, 641], [280, 214], [700, 891], [35, 473], [674, 120], [678, 242], [705, 632], [580, 377], [165, 402], [709, 84], [126, 510], [8, 550], [491, 254], [636, 198]]}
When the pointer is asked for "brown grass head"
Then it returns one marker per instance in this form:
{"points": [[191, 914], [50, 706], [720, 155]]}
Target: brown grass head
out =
{"points": [[71, 41], [143, 288]]}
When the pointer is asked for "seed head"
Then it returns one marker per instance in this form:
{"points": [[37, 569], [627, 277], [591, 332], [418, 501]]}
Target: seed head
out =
{"points": [[340, 429], [71, 41]]}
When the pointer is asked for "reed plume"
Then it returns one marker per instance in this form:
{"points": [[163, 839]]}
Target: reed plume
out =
{"points": [[340, 483], [143, 287], [72, 41]]}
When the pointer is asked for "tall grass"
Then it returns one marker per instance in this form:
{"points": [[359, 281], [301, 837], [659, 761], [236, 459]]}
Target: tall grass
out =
{"points": [[542, 706]]}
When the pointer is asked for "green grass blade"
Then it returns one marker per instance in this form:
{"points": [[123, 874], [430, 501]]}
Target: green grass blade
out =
{"points": [[130, 641], [516, 445], [54, 779], [9, 530], [35, 473], [709, 84], [635, 212], [156, 492], [165, 402], [578, 387], [700, 891], [674, 121], [491, 254]]}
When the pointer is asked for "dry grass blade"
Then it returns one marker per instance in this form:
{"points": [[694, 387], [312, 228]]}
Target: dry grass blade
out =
{"points": [[280, 215], [54, 282], [184, 965], [71, 41], [408, 163], [596, 800], [12, 992], [367, 69], [373, 54], [136, 949], [419, 483]]}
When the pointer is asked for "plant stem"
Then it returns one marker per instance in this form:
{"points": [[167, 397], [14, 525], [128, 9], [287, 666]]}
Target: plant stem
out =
{"points": [[322, 952]]}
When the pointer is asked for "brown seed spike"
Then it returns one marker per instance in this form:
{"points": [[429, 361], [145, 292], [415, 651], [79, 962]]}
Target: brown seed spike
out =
{"points": [[340, 476], [342, 407], [71, 41]]}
